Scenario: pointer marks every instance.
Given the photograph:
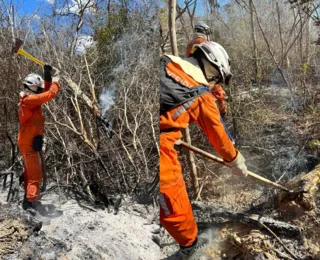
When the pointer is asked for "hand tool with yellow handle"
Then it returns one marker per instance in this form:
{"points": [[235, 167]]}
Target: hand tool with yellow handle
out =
{"points": [[18, 49]]}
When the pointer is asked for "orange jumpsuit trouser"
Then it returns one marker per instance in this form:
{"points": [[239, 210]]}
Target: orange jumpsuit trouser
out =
{"points": [[32, 172], [175, 209]]}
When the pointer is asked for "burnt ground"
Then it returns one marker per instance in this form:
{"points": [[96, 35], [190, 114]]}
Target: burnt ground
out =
{"points": [[66, 228], [226, 198]]}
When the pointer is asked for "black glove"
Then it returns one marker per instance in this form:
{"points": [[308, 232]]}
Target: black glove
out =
{"points": [[47, 69]]}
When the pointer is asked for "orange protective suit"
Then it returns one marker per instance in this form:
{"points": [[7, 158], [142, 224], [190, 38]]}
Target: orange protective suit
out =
{"points": [[197, 40], [221, 98], [175, 209], [31, 125]]}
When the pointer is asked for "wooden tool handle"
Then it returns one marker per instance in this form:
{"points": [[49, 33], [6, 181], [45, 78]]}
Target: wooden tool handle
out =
{"points": [[267, 181], [221, 161]]}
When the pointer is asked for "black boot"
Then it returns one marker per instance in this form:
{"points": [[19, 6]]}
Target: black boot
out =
{"points": [[28, 206], [117, 202], [25, 202], [197, 250]]}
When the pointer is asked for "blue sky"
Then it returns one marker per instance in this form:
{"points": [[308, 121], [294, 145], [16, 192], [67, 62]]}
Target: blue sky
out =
{"points": [[29, 6], [202, 5]]}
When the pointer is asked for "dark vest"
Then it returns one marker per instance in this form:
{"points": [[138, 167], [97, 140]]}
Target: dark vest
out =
{"points": [[174, 93]]}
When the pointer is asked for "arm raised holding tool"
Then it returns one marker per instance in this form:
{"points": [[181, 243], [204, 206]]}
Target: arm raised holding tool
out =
{"points": [[30, 138]]}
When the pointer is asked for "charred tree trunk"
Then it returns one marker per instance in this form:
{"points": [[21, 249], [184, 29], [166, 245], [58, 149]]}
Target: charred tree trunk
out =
{"points": [[207, 215]]}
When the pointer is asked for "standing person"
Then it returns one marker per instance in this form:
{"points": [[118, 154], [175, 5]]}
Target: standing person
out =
{"points": [[30, 138], [185, 98], [202, 33]]}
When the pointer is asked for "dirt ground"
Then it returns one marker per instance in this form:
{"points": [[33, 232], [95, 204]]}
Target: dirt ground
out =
{"points": [[236, 240], [64, 229]]}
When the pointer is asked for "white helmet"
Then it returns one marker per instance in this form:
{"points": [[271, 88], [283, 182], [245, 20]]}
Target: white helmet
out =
{"points": [[33, 82], [202, 27], [217, 56]]}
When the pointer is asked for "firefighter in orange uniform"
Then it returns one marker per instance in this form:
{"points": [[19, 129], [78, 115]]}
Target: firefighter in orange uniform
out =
{"points": [[185, 98], [30, 138], [202, 34]]}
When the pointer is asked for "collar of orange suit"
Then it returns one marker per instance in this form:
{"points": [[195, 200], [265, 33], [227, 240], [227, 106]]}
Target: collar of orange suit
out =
{"points": [[24, 94], [190, 67]]}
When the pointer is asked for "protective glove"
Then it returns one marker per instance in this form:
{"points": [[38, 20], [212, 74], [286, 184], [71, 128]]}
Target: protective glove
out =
{"points": [[238, 165], [47, 69], [55, 74], [50, 73]]}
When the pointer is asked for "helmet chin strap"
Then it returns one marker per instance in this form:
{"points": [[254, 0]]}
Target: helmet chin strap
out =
{"points": [[39, 90]]}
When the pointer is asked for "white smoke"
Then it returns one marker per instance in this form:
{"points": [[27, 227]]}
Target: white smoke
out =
{"points": [[107, 98], [84, 42]]}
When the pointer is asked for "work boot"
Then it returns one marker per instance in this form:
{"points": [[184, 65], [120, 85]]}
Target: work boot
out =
{"points": [[117, 202], [28, 206], [25, 202], [31, 209], [197, 250]]}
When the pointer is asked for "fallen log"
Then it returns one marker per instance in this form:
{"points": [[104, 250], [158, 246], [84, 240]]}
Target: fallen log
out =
{"points": [[308, 183], [207, 215]]}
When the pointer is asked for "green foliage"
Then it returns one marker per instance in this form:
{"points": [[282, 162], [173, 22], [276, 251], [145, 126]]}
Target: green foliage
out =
{"points": [[112, 27], [304, 68], [314, 144]]}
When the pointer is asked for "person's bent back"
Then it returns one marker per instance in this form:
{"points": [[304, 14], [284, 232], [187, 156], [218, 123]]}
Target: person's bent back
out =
{"points": [[185, 98]]}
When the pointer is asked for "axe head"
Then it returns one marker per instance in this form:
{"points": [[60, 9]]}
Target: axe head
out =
{"points": [[17, 45]]}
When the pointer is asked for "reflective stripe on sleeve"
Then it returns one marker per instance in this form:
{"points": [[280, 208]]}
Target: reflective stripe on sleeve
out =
{"points": [[163, 204]]}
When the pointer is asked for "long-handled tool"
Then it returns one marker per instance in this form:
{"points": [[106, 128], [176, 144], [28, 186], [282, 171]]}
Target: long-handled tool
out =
{"points": [[17, 48], [251, 174]]}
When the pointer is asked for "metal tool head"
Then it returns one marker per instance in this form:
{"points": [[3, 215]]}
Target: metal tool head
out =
{"points": [[17, 45]]}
